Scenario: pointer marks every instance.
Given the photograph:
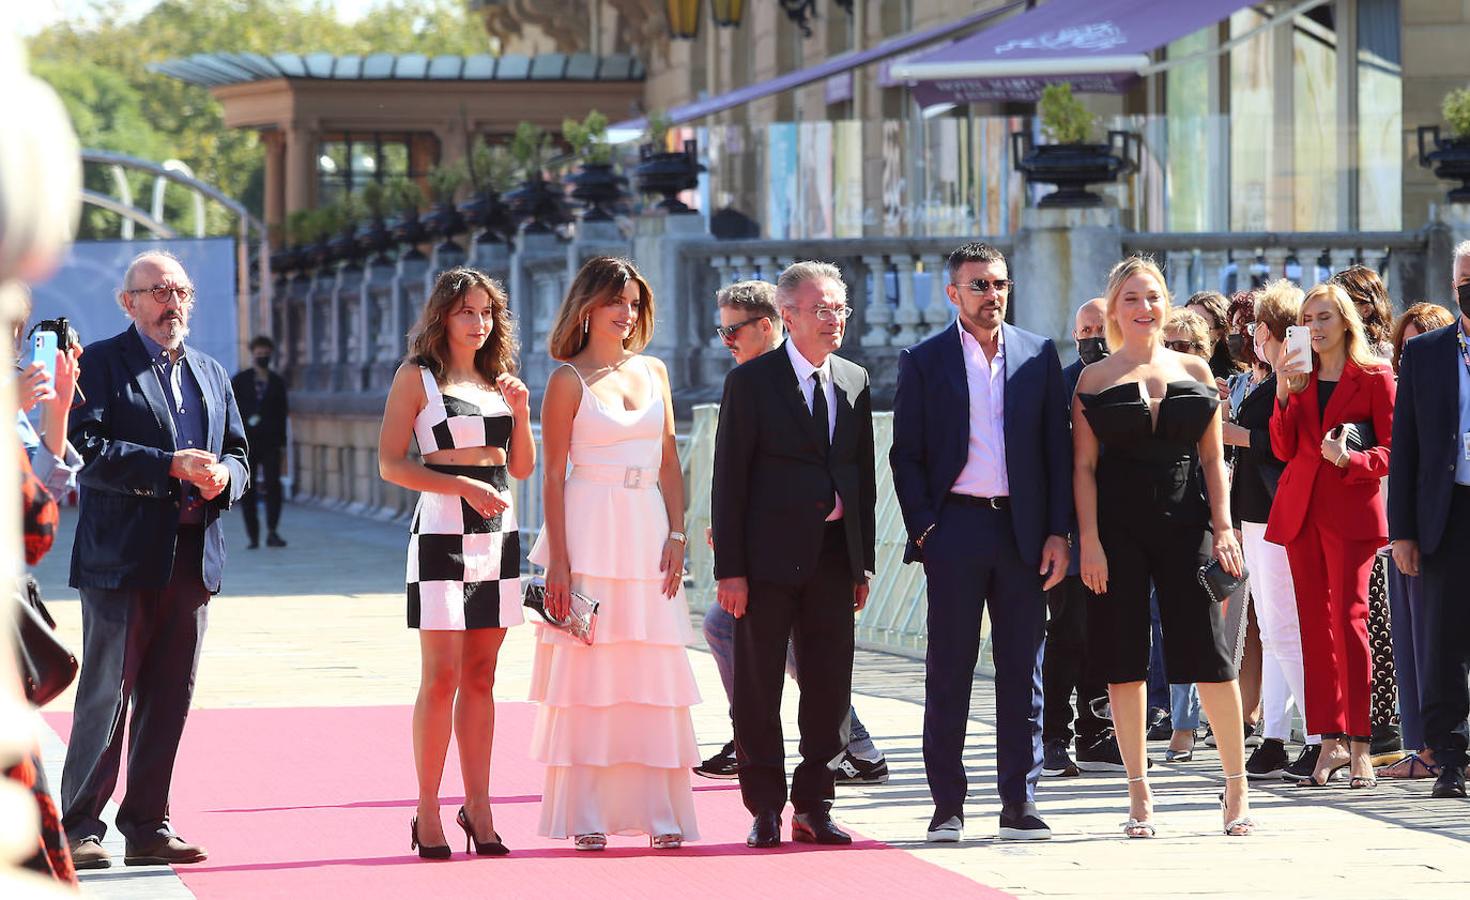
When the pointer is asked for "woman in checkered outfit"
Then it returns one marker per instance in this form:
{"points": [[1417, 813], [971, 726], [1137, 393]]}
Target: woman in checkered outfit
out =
{"points": [[458, 397]]}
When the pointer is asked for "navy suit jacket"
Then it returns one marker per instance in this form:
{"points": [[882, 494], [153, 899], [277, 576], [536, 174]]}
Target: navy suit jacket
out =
{"points": [[1426, 438], [931, 435], [128, 520]]}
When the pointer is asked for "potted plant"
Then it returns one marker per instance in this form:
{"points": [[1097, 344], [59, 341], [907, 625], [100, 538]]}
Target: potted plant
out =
{"points": [[596, 186], [341, 222], [373, 235], [284, 256], [315, 229], [404, 197], [492, 173], [444, 220], [1072, 160], [1450, 157], [663, 172], [537, 202]]}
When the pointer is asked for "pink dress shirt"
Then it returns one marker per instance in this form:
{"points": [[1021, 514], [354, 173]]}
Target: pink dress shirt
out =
{"points": [[984, 474]]}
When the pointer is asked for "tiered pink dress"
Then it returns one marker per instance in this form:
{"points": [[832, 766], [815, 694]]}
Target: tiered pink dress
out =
{"points": [[613, 726]]}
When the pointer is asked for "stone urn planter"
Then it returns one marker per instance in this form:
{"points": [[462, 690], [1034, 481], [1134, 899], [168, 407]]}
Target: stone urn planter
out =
{"points": [[540, 204], [409, 231], [490, 216], [600, 189], [1450, 160], [342, 247], [444, 221], [374, 237], [1072, 167], [667, 174]]}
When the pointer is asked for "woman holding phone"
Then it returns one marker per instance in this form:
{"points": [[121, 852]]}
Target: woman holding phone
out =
{"points": [[1332, 423]]}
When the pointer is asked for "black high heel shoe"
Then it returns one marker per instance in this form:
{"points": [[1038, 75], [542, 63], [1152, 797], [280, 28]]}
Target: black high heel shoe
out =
{"points": [[425, 852], [488, 848]]}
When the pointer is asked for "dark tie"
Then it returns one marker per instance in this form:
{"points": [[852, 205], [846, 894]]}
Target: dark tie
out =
{"points": [[819, 411]]}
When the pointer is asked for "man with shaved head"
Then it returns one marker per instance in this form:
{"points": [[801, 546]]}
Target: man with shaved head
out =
{"points": [[163, 453]]}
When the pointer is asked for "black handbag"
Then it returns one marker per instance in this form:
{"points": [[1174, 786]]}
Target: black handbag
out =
{"points": [[46, 665], [1219, 583], [1359, 435]]}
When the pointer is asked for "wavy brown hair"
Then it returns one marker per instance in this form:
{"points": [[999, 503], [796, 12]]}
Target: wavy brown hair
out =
{"points": [[1363, 285], [428, 342], [600, 279], [1424, 316]]}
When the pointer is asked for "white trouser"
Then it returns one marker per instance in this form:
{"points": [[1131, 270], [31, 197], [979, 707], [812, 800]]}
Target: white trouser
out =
{"points": [[1272, 592]]}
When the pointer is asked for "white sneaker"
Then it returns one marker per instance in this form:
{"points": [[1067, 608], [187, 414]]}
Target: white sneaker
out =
{"points": [[950, 831]]}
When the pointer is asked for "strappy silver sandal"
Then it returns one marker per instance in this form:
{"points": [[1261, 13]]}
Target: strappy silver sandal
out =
{"points": [[666, 841], [1138, 828], [594, 841], [1241, 826]]}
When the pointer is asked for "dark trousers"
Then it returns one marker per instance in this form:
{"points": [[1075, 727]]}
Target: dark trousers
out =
{"points": [[817, 617], [1406, 619], [971, 560], [265, 472], [1065, 667], [1444, 653], [141, 646]]}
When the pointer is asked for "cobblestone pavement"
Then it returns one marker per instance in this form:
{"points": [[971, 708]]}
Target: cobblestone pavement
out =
{"points": [[320, 623]]}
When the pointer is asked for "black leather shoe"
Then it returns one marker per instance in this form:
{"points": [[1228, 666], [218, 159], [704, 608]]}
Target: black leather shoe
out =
{"points": [[1450, 783], [1019, 822], [765, 831], [817, 828]]}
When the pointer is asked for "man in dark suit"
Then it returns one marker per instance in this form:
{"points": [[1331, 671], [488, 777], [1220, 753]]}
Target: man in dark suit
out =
{"points": [[794, 499], [982, 466], [261, 395], [1064, 668], [163, 451], [1429, 524]]}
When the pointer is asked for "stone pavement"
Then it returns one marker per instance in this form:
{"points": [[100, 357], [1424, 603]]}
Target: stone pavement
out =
{"points": [[320, 623]]}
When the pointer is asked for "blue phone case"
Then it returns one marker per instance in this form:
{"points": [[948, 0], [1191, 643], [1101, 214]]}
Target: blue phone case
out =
{"points": [[43, 351]]}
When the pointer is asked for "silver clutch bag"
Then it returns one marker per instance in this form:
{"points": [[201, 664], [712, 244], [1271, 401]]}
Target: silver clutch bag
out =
{"points": [[581, 620]]}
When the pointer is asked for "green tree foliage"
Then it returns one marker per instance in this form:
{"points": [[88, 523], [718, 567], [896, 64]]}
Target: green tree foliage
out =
{"points": [[99, 66]]}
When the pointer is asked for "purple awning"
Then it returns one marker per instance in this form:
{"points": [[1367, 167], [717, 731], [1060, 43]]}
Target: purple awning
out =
{"points": [[836, 65], [1099, 46]]}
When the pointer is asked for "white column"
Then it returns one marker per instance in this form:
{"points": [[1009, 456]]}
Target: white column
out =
{"points": [[1276, 263], [877, 315], [1212, 263], [907, 315], [936, 311], [1177, 272]]}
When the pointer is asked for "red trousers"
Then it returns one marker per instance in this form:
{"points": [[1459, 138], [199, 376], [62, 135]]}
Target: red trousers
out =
{"points": [[1331, 577]]}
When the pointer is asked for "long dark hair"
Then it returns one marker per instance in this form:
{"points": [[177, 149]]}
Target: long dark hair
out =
{"points": [[428, 343], [600, 278]]}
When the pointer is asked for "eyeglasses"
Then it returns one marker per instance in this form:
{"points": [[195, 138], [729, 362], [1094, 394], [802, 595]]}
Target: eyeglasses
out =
{"points": [[162, 293], [728, 331], [1184, 346], [832, 313], [981, 285]]}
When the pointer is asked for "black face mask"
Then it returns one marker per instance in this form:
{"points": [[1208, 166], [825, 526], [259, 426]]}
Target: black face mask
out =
{"points": [[263, 361], [1236, 343], [1091, 349], [1463, 294]]}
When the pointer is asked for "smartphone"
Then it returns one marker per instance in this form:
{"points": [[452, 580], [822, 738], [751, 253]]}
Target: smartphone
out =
{"points": [[1299, 341], [43, 351]]}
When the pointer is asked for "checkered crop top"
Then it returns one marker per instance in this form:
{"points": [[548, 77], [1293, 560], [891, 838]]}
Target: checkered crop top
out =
{"points": [[448, 422]]}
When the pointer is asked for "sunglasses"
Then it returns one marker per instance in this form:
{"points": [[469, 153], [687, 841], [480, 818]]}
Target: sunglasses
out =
{"points": [[982, 285], [1183, 346], [726, 332]]}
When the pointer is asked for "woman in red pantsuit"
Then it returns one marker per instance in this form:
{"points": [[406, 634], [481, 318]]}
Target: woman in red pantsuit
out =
{"points": [[1329, 515]]}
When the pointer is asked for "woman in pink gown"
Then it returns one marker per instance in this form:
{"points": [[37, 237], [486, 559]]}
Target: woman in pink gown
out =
{"points": [[613, 726]]}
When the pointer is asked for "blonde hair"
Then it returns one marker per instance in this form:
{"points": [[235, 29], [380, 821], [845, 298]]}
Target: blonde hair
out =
{"points": [[1279, 306], [1133, 265], [1357, 349], [600, 279], [1193, 327]]}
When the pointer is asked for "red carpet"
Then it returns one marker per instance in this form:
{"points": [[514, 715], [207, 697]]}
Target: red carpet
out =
{"points": [[316, 802]]}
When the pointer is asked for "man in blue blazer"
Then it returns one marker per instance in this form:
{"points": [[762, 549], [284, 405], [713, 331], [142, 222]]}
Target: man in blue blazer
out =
{"points": [[163, 451], [982, 465], [1429, 524]]}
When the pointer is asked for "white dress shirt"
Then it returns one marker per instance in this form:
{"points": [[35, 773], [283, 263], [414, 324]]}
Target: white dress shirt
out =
{"points": [[984, 474], [805, 373]]}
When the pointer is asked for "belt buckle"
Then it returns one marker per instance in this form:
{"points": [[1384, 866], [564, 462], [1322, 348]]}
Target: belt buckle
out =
{"points": [[993, 502], [633, 477]]}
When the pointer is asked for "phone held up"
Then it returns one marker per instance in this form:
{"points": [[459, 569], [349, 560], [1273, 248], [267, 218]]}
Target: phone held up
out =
{"points": [[43, 353], [1299, 343]]}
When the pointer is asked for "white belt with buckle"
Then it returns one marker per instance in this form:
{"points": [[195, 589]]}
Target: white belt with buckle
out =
{"points": [[631, 477]]}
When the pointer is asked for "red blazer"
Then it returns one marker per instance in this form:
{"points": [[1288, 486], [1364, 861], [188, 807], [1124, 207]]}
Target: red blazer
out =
{"points": [[1349, 497]]}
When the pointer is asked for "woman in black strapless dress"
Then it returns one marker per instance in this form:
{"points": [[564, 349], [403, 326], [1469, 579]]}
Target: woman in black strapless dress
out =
{"points": [[1153, 507]]}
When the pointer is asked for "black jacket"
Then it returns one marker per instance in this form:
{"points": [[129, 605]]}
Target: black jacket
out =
{"points": [[1257, 468], [1426, 438], [128, 517], [269, 433], [772, 486]]}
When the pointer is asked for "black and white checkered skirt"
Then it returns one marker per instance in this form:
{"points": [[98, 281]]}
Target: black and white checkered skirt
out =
{"points": [[464, 570]]}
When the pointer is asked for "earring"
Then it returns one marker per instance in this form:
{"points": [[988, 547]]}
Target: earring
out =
{"points": [[586, 324]]}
